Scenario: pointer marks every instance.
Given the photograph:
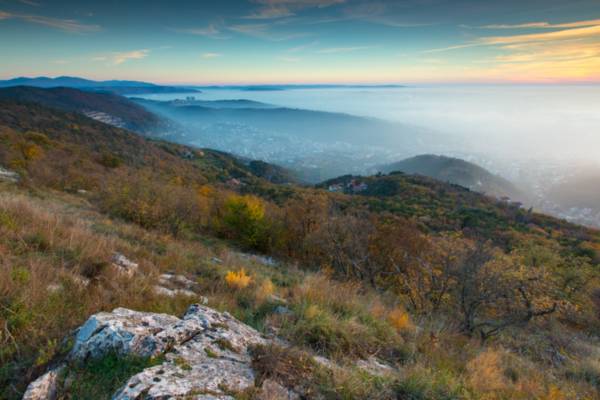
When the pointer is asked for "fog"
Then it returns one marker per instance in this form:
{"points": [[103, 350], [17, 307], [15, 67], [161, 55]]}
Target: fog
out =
{"points": [[539, 137], [546, 122]]}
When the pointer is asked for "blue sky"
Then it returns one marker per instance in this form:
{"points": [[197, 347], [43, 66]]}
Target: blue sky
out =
{"points": [[303, 41]]}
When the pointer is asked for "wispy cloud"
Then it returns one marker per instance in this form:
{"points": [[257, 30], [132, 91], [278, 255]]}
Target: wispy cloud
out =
{"points": [[264, 31], [553, 52], [211, 31], [543, 25], [290, 59], [67, 25], [118, 58], [302, 47], [376, 12], [335, 50], [271, 9], [30, 3], [211, 55], [585, 32], [589, 29]]}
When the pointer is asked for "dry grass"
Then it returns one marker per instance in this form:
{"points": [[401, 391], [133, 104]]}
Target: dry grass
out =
{"points": [[49, 245]]}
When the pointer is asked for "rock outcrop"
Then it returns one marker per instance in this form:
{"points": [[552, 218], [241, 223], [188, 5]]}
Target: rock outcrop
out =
{"points": [[206, 353]]}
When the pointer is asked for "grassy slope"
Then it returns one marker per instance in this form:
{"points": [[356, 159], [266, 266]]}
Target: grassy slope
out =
{"points": [[52, 234]]}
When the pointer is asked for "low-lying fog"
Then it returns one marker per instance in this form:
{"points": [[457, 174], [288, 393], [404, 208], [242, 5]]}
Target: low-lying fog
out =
{"points": [[546, 139]]}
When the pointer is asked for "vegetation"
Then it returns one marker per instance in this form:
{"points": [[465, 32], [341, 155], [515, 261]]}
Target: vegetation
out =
{"points": [[467, 296]]}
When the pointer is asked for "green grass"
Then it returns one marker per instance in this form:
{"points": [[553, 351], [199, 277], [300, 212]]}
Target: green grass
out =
{"points": [[100, 379]]}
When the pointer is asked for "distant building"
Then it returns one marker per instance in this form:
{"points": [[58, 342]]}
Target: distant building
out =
{"points": [[234, 182], [336, 188], [357, 187]]}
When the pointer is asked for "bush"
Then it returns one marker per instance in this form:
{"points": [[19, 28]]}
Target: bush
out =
{"points": [[244, 220], [238, 280]]}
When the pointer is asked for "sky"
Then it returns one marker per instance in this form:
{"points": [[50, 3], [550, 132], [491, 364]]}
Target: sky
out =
{"points": [[303, 41]]}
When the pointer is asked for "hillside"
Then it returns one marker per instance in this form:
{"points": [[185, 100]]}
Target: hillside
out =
{"points": [[446, 293], [106, 107], [457, 171]]}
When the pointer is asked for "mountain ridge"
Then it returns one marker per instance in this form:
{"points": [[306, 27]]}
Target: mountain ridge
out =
{"points": [[457, 171], [113, 86]]}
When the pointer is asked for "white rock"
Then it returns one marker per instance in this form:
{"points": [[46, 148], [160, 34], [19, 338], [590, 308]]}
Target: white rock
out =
{"points": [[163, 291], [374, 366], [212, 362], [123, 331], [123, 265], [7, 175], [44, 387], [272, 390]]}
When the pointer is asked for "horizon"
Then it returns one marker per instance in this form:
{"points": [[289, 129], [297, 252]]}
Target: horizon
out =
{"points": [[282, 42]]}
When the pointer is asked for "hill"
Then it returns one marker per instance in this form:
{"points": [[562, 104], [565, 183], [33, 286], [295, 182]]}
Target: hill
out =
{"points": [[105, 107], [113, 86], [457, 171], [385, 287]]}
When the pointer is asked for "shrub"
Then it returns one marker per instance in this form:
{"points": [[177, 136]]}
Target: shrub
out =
{"points": [[244, 220], [400, 320], [485, 372], [109, 160], [238, 280]]}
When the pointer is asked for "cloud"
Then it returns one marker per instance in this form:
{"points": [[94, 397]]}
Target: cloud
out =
{"points": [[30, 3], [271, 9], [118, 58], [334, 50], [290, 59], [263, 31], [211, 55], [575, 33], [552, 53], [543, 25], [568, 31], [67, 25], [376, 12], [211, 31], [302, 47]]}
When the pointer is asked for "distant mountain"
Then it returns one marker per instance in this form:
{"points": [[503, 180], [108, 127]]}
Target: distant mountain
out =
{"points": [[267, 88], [317, 126], [105, 107], [114, 86], [192, 101], [457, 171]]}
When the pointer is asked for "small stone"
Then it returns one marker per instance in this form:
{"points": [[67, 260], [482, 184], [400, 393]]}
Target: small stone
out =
{"points": [[282, 310], [271, 390], [8, 175], [123, 265]]}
